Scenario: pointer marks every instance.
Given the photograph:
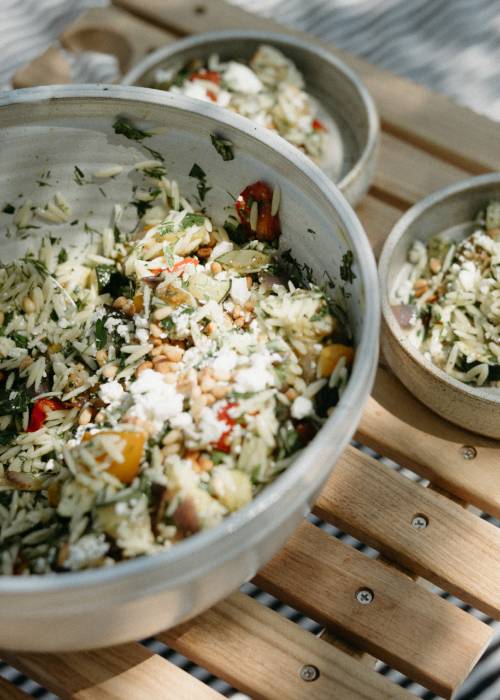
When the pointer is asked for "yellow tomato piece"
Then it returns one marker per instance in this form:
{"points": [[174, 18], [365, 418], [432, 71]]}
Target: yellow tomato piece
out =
{"points": [[330, 356], [127, 470]]}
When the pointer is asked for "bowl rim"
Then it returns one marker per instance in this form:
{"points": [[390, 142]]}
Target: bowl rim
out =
{"points": [[357, 390], [482, 394], [271, 37]]}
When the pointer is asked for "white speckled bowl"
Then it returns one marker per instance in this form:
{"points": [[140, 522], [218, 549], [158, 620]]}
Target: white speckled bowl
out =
{"points": [[345, 104], [474, 408], [57, 128]]}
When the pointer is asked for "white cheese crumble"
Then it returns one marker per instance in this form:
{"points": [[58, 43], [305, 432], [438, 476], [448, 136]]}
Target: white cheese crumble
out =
{"points": [[301, 407], [154, 399], [111, 392]]}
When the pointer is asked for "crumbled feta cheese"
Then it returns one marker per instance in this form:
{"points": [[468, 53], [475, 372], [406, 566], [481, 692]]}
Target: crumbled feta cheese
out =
{"points": [[225, 362], [239, 290], [87, 550], [301, 407], [111, 392], [467, 275], [257, 377], [241, 78], [154, 399]]}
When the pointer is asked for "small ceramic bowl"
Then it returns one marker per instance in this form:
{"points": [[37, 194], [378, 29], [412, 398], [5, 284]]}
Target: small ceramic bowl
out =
{"points": [[344, 104], [451, 210]]}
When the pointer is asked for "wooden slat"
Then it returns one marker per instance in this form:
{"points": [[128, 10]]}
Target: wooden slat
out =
{"points": [[8, 691], [261, 653], [425, 118], [400, 427], [406, 174], [377, 218], [457, 550], [126, 671], [407, 626]]}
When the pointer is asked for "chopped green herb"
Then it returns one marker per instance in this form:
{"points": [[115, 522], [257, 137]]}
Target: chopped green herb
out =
{"points": [[62, 256], [9, 209], [311, 230], [101, 334], [156, 172], [346, 272], [301, 275], [74, 223], [124, 126], [236, 231], [192, 220], [223, 146], [169, 255], [7, 436], [20, 340], [79, 176], [141, 206], [12, 402], [110, 281]]}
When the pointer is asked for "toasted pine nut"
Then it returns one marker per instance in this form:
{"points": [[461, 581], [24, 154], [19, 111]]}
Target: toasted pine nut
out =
{"points": [[25, 362], [209, 399], [174, 435], [211, 328], [173, 352], [240, 322], [164, 367], [156, 342], [237, 311], [215, 268], [162, 313], [435, 265], [220, 391], [291, 394], [207, 384], [85, 416], [249, 281], [204, 252], [28, 305], [249, 306], [143, 366], [155, 330], [205, 463], [110, 371], [172, 449], [101, 357]]}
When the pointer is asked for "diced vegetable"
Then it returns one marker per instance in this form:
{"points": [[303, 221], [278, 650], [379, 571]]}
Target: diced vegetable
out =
{"points": [[39, 412], [204, 287], [245, 261], [127, 470], [233, 489], [330, 356], [265, 226]]}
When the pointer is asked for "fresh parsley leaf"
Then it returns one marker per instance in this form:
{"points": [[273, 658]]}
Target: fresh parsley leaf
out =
{"points": [[301, 275], [20, 340], [101, 334], [192, 220], [346, 272], [9, 209], [236, 231], [110, 281], [124, 126], [103, 275], [223, 146], [141, 206], [62, 256], [197, 172], [6, 436], [156, 172], [169, 255], [311, 230], [79, 176], [13, 402]]}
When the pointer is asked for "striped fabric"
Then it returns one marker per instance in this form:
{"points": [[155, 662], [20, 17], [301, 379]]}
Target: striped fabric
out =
{"points": [[450, 46]]}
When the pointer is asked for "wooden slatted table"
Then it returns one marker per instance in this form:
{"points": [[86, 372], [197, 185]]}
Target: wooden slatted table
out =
{"points": [[427, 142]]}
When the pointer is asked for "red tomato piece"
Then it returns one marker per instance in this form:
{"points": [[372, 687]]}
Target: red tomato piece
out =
{"points": [[203, 74], [268, 225], [318, 125], [39, 412], [223, 444]]}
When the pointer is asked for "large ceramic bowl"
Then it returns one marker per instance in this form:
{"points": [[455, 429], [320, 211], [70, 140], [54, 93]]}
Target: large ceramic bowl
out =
{"points": [[451, 210], [57, 128], [345, 104]]}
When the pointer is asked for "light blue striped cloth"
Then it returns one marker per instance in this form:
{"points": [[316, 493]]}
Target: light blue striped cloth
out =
{"points": [[452, 46]]}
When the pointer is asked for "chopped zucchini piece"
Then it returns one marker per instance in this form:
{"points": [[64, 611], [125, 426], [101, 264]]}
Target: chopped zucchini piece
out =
{"points": [[244, 261], [206, 288]]}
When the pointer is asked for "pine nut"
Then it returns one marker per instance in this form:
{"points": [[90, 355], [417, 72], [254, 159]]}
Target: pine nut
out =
{"points": [[211, 328], [291, 394], [237, 311], [207, 384], [155, 330], [209, 399], [172, 449], [164, 367], [110, 371], [215, 268], [249, 281], [25, 362], [205, 463], [173, 352], [101, 357], [162, 313], [85, 416], [143, 366], [240, 322], [174, 435], [28, 305], [220, 391]]}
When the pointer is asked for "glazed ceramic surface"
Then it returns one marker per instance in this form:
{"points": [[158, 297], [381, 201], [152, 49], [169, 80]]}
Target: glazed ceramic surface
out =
{"points": [[345, 105], [57, 128], [452, 211]]}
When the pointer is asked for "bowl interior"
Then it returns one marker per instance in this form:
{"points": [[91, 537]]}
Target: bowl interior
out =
{"points": [[46, 133], [340, 104], [451, 211]]}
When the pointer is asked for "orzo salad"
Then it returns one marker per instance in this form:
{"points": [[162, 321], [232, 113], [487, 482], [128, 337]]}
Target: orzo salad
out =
{"points": [[268, 89], [447, 298], [154, 382]]}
